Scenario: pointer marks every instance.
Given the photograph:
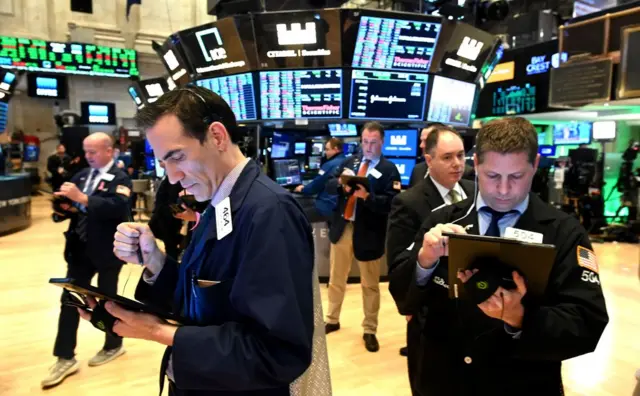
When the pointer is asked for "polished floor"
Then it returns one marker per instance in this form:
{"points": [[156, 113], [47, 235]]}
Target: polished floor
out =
{"points": [[29, 312]]}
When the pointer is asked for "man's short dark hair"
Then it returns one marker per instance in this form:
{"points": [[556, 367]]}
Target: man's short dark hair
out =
{"points": [[196, 108], [374, 126], [432, 138], [335, 143], [508, 135]]}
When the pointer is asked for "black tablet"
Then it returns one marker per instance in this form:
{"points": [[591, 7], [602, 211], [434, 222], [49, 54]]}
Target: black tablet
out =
{"points": [[534, 260], [353, 181], [87, 290]]}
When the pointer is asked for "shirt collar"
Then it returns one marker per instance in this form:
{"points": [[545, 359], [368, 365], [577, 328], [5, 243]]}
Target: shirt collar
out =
{"points": [[444, 192], [224, 190], [105, 168], [521, 207], [372, 161]]}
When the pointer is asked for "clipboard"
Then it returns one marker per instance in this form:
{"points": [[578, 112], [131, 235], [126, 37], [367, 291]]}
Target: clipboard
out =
{"points": [[534, 260], [74, 286], [353, 181]]}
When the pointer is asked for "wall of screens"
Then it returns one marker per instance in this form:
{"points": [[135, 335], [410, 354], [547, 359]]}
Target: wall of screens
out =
{"points": [[237, 91]]}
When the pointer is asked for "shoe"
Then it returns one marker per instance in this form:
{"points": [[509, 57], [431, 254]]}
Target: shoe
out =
{"points": [[59, 371], [404, 351], [371, 342], [105, 356], [331, 327]]}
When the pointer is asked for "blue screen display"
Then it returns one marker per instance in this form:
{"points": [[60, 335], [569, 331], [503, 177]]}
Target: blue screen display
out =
{"points": [[405, 167], [8, 78], [4, 112], [237, 91], [572, 133], [343, 130], [400, 143], [547, 151], [47, 86]]}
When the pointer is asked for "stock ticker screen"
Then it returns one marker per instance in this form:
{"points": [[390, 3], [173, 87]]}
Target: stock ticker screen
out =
{"points": [[237, 91], [4, 114], [388, 95], [395, 44], [69, 58], [451, 101], [516, 99], [295, 94]]}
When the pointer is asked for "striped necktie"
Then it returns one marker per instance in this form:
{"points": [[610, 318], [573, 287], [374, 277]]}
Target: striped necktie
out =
{"points": [[455, 196]]}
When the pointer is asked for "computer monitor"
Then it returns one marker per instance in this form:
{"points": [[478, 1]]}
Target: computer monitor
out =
{"points": [[451, 101], [547, 151], [405, 167], [300, 148], [317, 148], [286, 172], [400, 143], [341, 130], [604, 130], [572, 133], [315, 162]]}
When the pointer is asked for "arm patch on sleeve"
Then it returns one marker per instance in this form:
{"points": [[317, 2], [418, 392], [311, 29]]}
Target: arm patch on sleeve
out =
{"points": [[123, 190], [587, 259]]}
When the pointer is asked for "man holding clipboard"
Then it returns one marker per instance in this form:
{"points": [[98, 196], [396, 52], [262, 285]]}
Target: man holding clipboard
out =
{"points": [[511, 343]]}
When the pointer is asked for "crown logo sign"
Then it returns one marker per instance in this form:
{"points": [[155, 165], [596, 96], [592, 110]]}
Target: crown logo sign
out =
{"points": [[470, 48], [296, 35], [398, 140]]}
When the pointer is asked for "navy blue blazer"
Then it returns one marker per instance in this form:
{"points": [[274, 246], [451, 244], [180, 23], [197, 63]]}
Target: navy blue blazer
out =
{"points": [[325, 202], [251, 333]]}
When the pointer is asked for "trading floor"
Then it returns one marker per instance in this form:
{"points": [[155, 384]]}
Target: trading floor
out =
{"points": [[28, 317]]}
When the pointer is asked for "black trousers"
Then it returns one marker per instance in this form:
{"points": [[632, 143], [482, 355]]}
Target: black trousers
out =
{"points": [[82, 268], [414, 333]]}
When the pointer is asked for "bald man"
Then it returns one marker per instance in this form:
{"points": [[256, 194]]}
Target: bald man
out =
{"points": [[101, 193]]}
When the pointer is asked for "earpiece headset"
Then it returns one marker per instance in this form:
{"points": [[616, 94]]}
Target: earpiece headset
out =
{"points": [[211, 116]]}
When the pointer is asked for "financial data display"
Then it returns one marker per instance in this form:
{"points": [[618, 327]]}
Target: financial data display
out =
{"points": [[46, 86], [295, 94], [514, 99], [395, 44], [386, 95], [8, 80], [4, 114], [405, 167], [215, 49], [451, 101], [338, 130], [572, 133], [67, 58], [287, 171], [400, 143], [98, 113], [237, 91]]}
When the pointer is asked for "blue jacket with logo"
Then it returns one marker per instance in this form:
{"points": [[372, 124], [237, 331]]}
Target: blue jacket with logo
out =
{"points": [[325, 202]]}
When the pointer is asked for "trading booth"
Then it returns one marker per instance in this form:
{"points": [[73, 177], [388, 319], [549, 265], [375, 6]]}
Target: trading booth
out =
{"points": [[294, 79]]}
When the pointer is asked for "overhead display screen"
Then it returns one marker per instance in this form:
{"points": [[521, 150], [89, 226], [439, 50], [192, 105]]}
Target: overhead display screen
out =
{"points": [[295, 94], [8, 80], [174, 62], [515, 99], [215, 49], [153, 88], [237, 91], [382, 95], [4, 114], [405, 167], [395, 44], [136, 95], [400, 143], [68, 58], [342, 130], [98, 113], [451, 101], [46, 86], [298, 39], [572, 133]]}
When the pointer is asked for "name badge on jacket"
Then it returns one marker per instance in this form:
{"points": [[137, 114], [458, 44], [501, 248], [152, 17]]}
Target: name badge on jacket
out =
{"points": [[523, 235], [108, 177], [224, 224], [375, 173]]}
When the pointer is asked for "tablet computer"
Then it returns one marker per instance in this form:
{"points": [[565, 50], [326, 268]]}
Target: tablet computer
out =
{"points": [[353, 181], [72, 285], [534, 260]]}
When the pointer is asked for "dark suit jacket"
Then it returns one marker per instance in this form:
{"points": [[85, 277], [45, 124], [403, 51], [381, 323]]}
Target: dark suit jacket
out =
{"points": [[408, 211], [108, 207], [418, 172], [460, 341], [370, 225]]}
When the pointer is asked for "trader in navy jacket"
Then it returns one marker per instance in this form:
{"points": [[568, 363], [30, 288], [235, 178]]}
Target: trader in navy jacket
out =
{"points": [[244, 286], [325, 202]]}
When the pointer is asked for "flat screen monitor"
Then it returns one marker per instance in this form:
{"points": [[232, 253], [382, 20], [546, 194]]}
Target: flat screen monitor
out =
{"points": [[148, 150], [67, 58], [46, 86], [317, 148], [160, 172], [604, 130], [343, 130], [237, 91], [542, 138], [514, 99], [350, 148], [384, 95], [315, 162], [547, 151], [395, 44], [215, 49], [294, 94], [136, 95], [298, 39], [98, 113], [8, 80], [400, 143], [4, 115], [154, 88], [451, 101], [405, 167], [287, 172], [173, 61], [572, 133], [300, 148]]}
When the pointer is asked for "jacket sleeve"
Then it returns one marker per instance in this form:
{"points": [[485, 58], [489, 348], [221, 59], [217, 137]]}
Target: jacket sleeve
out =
{"points": [[114, 204], [332, 186], [380, 202], [160, 294], [573, 315], [319, 183], [271, 344]]}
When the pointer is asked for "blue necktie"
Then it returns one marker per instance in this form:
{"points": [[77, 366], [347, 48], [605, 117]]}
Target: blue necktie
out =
{"points": [[493, 229], [91, 181]]}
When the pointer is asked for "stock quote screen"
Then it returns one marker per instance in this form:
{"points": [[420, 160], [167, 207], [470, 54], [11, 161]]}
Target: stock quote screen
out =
{"points": [[451, 101], [295, 94], [515, 99], [388, 95], [68, 58], [237, 91], [394, 44]]}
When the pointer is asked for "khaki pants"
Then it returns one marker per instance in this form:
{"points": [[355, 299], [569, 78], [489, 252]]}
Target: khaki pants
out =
{"points": [[341, 258]]}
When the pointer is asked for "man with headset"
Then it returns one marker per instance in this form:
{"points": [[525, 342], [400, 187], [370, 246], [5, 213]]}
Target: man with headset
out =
{"points": [[512, 343], [245, 286]]}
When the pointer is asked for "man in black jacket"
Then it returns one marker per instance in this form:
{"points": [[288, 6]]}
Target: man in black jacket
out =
{"points": [[444, 153], [57, 165], [512, 343], [358, 228], [101, 195]]}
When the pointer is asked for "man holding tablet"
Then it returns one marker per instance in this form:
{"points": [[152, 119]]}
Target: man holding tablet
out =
{"points": [[511, 343]]}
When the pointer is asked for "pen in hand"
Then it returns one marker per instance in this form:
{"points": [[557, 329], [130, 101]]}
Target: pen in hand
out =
{"points": [[139, 250]]}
